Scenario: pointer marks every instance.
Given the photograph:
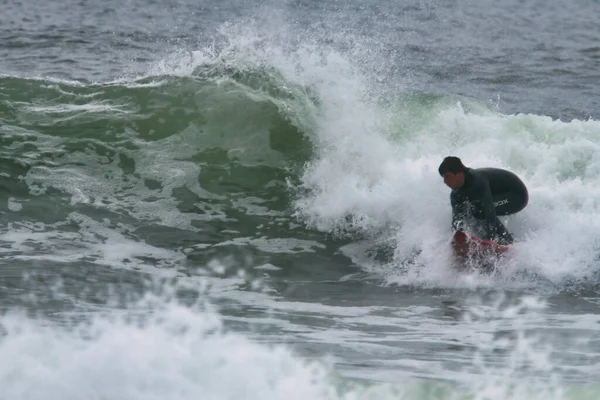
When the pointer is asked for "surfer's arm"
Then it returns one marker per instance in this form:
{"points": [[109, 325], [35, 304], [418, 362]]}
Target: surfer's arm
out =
{"points": [[489, 211], [459, 208]]}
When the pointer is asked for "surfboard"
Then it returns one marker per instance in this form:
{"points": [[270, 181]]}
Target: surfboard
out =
{"points": [[468, 247]]}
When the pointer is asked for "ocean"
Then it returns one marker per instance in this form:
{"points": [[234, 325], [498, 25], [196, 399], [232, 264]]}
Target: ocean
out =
{"points": [[240, 200]]}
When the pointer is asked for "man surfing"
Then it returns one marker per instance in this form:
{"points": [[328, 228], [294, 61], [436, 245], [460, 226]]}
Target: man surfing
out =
{"points": [[480, 195]]}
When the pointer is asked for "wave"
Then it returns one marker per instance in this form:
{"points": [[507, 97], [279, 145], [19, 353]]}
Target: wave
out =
{"points": [[185, 352], [226, 110], [305, 135]]}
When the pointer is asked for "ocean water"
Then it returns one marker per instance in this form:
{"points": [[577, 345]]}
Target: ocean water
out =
{"points": [[224, 200]]}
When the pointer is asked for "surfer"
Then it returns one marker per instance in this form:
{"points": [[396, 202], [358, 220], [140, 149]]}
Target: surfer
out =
{"points": [[482, 195]]}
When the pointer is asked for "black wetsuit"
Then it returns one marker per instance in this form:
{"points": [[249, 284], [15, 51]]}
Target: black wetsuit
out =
{"points": [[487, 193]]}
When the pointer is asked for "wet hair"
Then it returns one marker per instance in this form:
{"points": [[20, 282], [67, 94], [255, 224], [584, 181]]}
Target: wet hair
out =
{"points": [[451, 164]]}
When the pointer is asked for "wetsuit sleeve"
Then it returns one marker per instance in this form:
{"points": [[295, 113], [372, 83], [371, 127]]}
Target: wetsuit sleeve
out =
{"points": [[459, 208], [489, 210]]}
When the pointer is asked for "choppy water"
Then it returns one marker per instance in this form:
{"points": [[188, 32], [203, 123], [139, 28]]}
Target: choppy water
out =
{"points": [[241, 200]]}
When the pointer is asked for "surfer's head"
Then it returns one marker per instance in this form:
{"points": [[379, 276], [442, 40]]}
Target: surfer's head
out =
{"points": [[453, 172]]}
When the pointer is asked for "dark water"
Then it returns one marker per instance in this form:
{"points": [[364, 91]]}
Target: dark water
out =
{"points": [[185, 186]]}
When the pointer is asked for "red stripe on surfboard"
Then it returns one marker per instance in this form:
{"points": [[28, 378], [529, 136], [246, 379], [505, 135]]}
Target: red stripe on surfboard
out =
{"points": [[462, 240]]}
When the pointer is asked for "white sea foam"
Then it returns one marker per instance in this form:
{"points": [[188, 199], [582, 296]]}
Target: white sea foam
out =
{"points": [[159, 349]]}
